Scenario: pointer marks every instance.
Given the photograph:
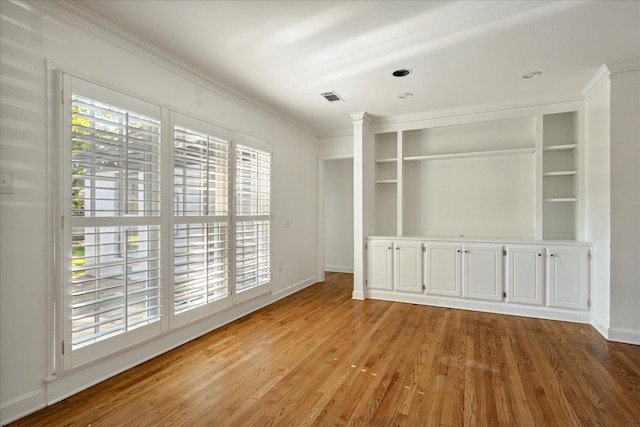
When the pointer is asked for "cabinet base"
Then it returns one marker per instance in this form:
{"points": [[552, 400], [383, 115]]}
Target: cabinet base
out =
{"points": [[511, 309]]}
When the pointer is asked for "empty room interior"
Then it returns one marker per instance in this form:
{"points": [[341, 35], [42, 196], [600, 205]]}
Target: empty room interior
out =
{"points": [[291, 213]]}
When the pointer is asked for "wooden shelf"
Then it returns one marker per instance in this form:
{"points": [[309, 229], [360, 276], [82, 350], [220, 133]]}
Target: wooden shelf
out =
{"points": [[561, 199], [560, 173], [389, 160], [565, 147], [386, 181], [506, 152]]}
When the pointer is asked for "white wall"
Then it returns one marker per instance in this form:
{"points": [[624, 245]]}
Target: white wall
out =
{"points": [[598, 218], [30, 34], [625, 206], [336, 146], [338, 215]]}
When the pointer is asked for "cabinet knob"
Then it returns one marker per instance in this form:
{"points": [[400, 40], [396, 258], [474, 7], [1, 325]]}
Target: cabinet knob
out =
{"points": [[389, 247], [458, 250], [539, 254], [466, 252], [551, 255]]}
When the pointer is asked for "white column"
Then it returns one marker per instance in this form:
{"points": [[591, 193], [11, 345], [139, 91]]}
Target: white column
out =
{"points": [[362, 197], [598, 195], [625, 204]]}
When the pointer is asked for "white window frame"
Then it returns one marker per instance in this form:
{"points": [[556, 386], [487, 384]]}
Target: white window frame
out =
{"points": [[242, 140], [89, 353], [63, 357], [190, 315]]}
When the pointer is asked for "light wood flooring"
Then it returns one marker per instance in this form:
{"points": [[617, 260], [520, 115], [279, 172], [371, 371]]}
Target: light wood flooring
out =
{"points": [[320, 358]]}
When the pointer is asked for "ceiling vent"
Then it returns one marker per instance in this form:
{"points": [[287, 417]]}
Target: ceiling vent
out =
{"points": [[332, 96]]}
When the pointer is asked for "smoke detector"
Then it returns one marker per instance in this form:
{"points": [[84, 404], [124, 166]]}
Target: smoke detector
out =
{"points": [[332, 96]]}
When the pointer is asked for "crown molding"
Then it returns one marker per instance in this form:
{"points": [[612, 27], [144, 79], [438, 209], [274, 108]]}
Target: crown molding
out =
{"points": [[596, 81], [70, 10], [363, 116], [336, 133], [403, 119], [624, 67]]}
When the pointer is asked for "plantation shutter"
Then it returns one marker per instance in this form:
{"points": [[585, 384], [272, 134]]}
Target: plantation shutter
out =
{"points": [[201, 214], [253, 214], [115, 275]]}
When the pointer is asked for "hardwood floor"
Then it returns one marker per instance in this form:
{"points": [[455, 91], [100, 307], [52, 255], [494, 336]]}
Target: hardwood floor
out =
{"points": [[321, 358]]}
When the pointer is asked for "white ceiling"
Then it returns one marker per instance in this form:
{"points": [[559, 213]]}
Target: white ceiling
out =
{"points": [[284, 54]]}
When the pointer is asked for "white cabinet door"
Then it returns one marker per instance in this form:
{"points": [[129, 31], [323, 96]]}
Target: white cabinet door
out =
{"points": [[482, 272], [568, 277], [442, 273], [408, 266], [525, 275], [380, 264]]}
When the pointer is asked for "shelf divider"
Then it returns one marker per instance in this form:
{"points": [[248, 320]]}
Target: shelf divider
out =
{"points": [[505, 152], [389, 160], [561, 199], [560, 173], [564, 147]]}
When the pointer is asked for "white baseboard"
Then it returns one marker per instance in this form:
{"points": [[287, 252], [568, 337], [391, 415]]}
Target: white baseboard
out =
{"points": [[20, 406], [358, 295], [338, 269], [603, 330], [627, 336], [511, 309], [294, 288]]}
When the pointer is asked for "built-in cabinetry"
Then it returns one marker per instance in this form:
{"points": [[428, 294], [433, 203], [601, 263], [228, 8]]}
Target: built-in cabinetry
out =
{"points": [[560, 176], [380, 261], [532, 273], [525, 274], [470, 271], [510, 178], [407, 265], [568, 265], [481, 211]]}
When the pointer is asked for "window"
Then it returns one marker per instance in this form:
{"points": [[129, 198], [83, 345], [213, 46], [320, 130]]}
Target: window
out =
{"points": [[201, 216], [253, 217], [152, 235], [115, 228]]}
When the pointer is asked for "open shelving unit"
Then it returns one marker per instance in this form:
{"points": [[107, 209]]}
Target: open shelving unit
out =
{"points": [[560, 176], [517, 177], [386, 179]]}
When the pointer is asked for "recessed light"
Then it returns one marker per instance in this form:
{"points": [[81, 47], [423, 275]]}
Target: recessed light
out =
{"points": [[405, 95], [532, 75], [401, 72]]}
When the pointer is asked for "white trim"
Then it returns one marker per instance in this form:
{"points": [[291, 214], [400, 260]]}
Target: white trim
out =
{"points": [[478, 113], [625, 67], [493, 239], [628, 336], [240, 138], [596, 81], [320, 223], [22, 405], [322, 159], [338, 269], [603, 330], [511, 309], [290, 290], [359, 295], [335, 133], [69, 11], [53, 292]]}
